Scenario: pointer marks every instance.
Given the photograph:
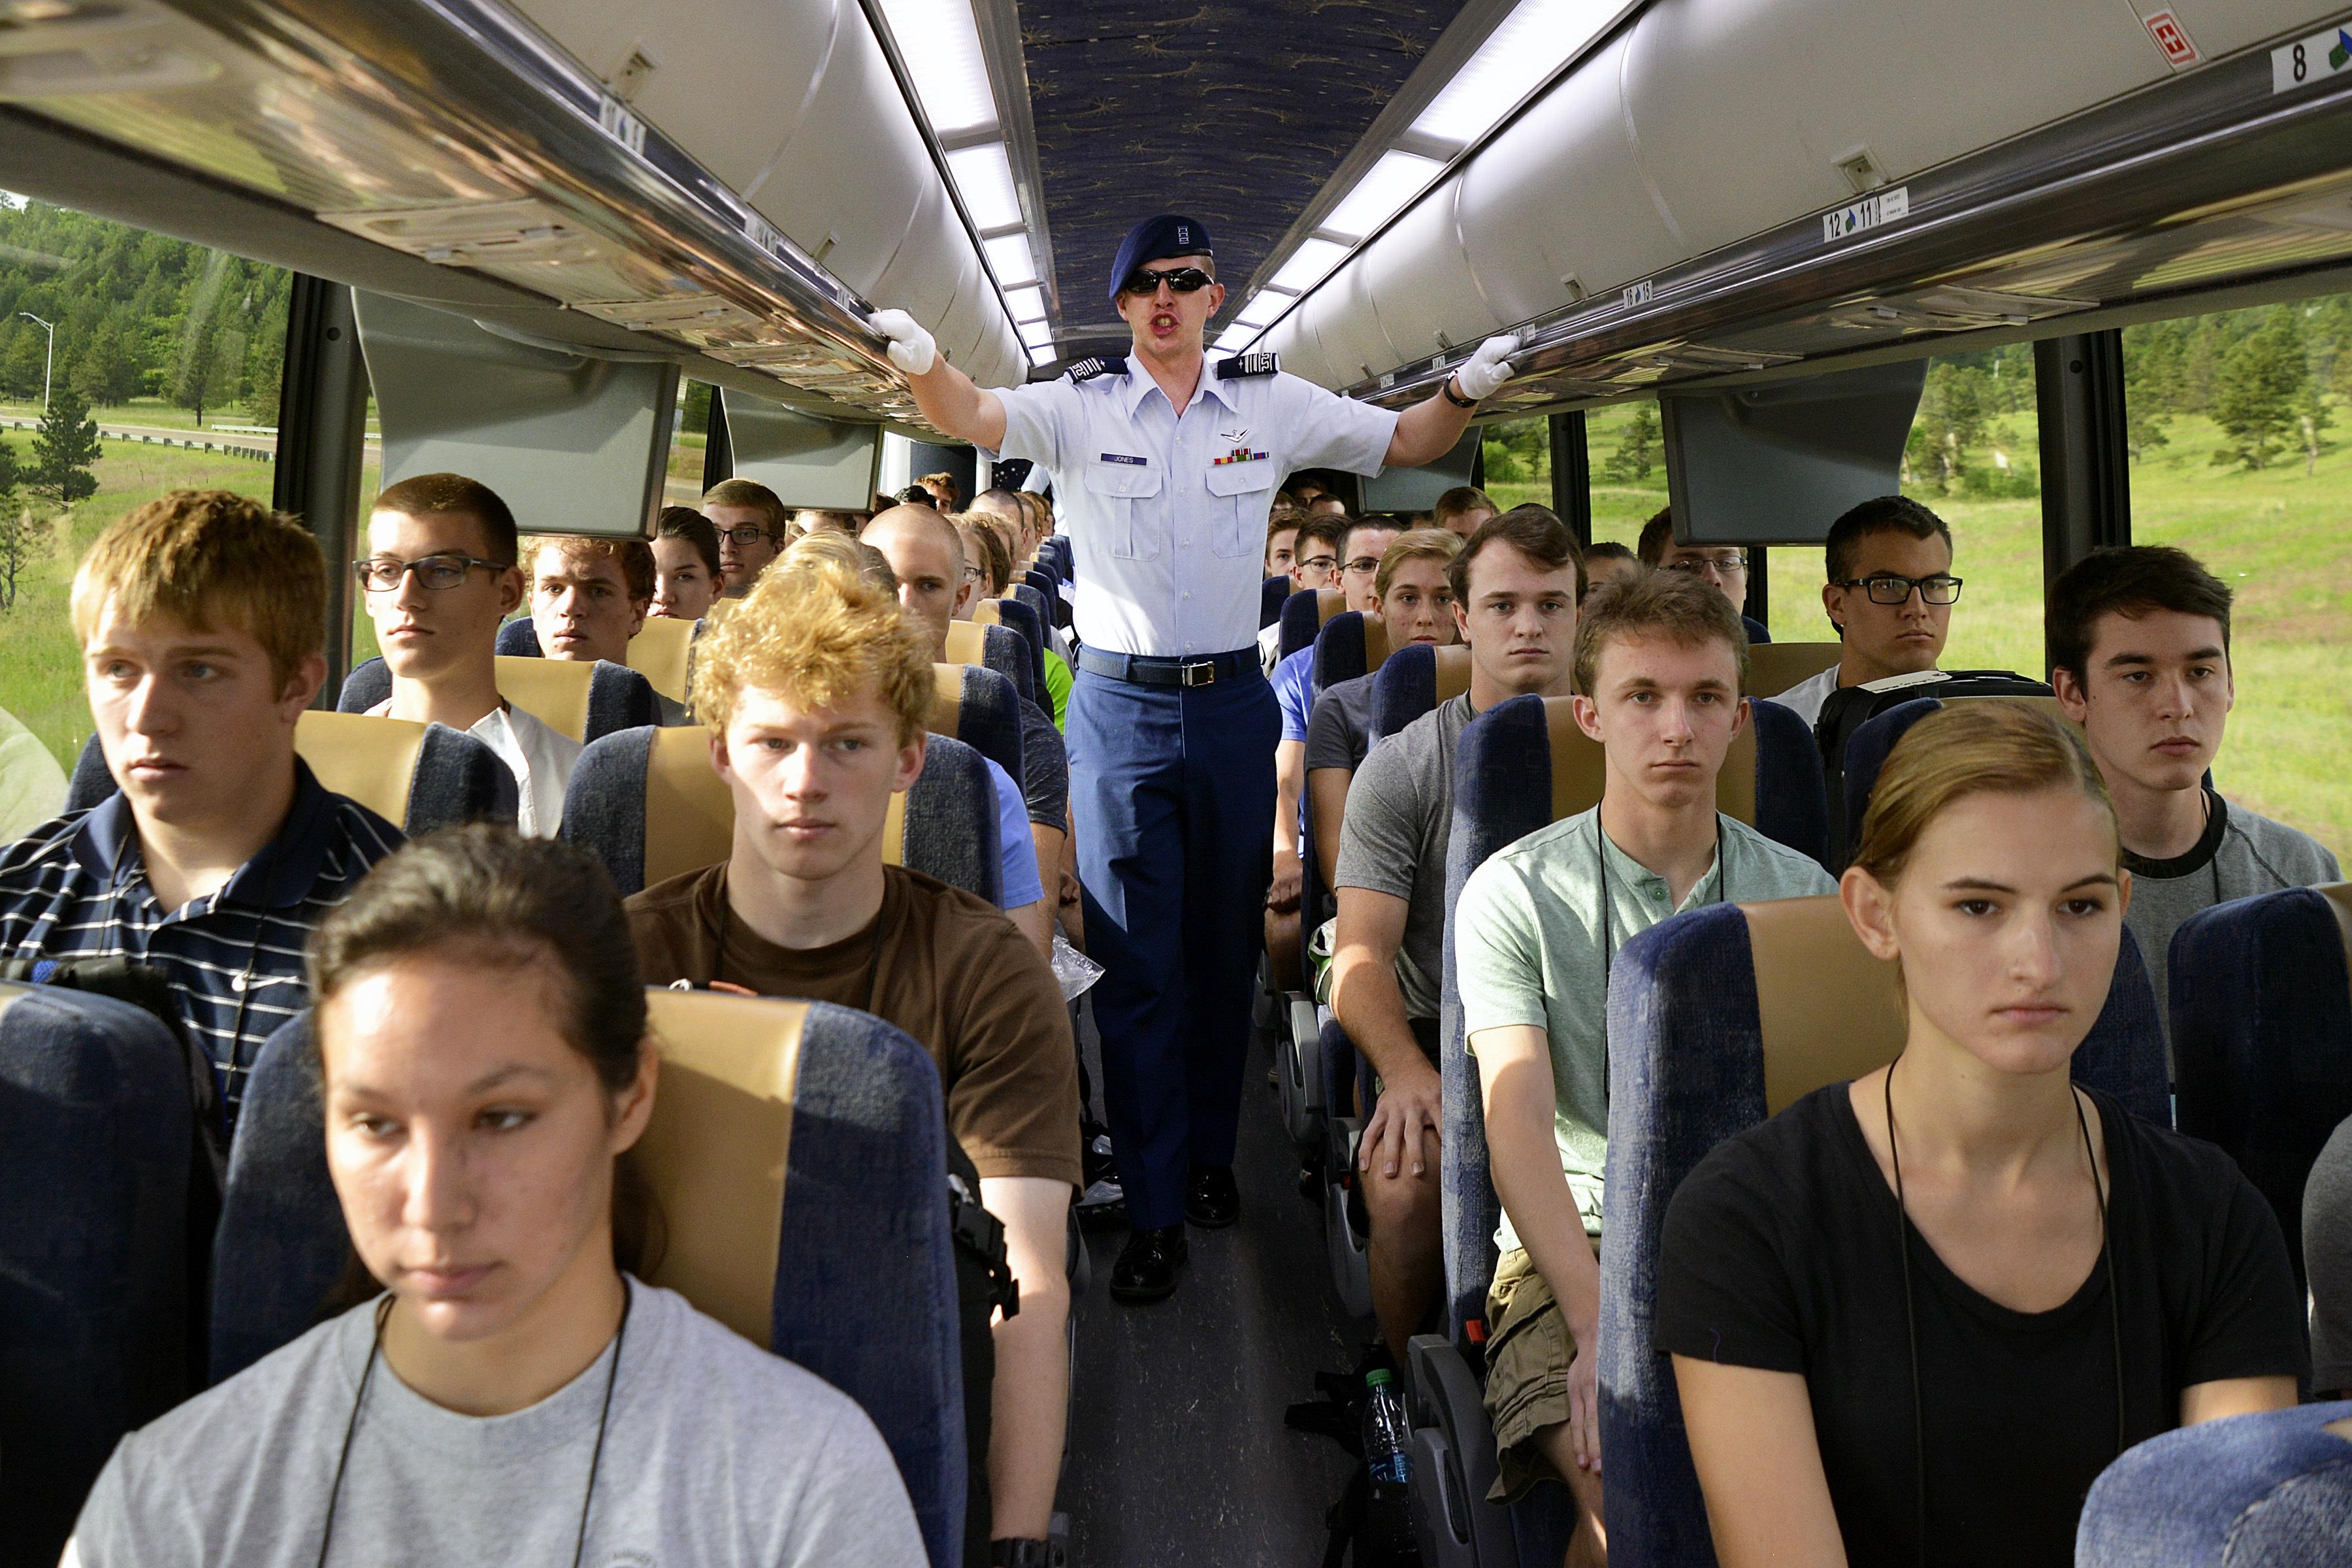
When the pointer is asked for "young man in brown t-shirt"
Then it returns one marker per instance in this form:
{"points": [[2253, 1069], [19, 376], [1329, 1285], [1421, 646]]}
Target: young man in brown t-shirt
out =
{"points": [[815, 690]]}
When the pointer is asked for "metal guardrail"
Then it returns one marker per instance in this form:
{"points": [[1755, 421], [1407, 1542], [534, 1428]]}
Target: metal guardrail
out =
{"points": [[225, 448]]}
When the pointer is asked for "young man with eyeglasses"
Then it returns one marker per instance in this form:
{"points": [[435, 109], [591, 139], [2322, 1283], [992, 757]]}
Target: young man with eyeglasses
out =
{"points": [[1724, 565], [750, 523], [1889, 596], [1314, 564], [1165, 473], [439, 577]]}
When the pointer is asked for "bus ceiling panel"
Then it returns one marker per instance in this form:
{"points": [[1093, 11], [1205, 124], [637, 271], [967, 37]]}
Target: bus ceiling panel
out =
{"points": [[2212, 29], [1421, 282], [809, 462], [1557, 207], [726, 88], [575, 444], [455, 132], [1745, 114], [2212, 179]]}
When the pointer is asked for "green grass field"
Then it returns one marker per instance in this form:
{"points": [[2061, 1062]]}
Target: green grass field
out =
{"points": [[2279, 537]]}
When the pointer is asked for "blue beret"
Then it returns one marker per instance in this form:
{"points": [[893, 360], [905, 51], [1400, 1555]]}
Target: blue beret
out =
{"points": [[1157, 239]]}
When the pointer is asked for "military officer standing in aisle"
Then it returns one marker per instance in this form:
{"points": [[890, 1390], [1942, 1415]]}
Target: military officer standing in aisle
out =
{"points": [[1165, 469]]}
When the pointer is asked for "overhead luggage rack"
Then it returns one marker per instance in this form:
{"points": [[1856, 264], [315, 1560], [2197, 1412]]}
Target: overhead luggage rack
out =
{"points": [[453, 131]]}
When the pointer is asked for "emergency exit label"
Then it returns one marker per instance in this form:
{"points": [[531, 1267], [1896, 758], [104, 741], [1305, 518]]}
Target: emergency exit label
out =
{"points": [[1876, 208], [2314, 58]]}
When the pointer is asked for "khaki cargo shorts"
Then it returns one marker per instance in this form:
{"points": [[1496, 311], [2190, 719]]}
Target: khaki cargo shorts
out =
{"points": [[1528, 1352]]}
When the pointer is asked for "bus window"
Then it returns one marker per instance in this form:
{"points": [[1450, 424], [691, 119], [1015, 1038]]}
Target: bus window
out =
{"points": [[2237, 428], [165, 356]]}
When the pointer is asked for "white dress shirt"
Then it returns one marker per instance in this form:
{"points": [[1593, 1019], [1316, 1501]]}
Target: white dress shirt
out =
{"points": [[541, 758], [1167, 516]]}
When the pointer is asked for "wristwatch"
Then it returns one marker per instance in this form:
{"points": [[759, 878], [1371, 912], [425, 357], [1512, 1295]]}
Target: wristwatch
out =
{"points": [[1458, 402], [1030, 1553]]}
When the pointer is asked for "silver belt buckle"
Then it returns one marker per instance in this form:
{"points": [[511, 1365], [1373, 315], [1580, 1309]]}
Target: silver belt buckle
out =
{"points": [[1200, 672]]}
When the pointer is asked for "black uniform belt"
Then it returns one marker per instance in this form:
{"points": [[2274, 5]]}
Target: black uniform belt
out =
{"points": [[1147, 669]]}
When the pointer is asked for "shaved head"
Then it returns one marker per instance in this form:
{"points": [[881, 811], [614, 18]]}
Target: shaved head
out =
{"points": [[925, 519]]}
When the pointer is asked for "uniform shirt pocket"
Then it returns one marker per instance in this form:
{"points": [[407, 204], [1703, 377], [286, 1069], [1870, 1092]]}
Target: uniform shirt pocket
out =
{"points": [[1244, 493], [1126, 488]]}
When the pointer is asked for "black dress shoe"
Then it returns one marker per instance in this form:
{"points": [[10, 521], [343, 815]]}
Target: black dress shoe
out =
{"points": [[1147, 1266], [1212, 1202]]}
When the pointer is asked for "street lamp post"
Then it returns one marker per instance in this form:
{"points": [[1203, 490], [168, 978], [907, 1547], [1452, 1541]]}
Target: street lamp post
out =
{"points": [[48, 365]]}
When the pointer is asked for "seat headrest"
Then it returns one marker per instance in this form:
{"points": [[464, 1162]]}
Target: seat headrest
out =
{"points": [[1774, 666], [661, 652], [1376, 643], [1579, 767], [1829, 1010], [552, 690], [718, 1147], [372, 761], [947, 700], [690, 815], [1329, 602], [966, 642], [984, 613], [1452, 671]]}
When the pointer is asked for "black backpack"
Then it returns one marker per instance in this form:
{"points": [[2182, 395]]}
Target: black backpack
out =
{"points": [[1848, 708]]}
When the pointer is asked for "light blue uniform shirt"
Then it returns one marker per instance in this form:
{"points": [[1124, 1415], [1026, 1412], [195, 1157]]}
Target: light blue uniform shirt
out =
{"points": [[1016, 851], [1167, 516]]}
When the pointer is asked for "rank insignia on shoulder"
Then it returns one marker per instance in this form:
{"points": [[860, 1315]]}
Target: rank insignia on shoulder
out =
{"points": [[1248, 365], [1099, 365]]}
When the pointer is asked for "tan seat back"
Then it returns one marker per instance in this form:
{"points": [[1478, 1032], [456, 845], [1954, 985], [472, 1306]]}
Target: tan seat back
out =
{"points": [[552, 690], [690, 815], [1452, 672], [966, 642], [1774, 666], [372, 760], [1830, 1011], [984, 613], [1580, 768], [660, 652], [719, 1146], [947, 700], [1376, 643]]}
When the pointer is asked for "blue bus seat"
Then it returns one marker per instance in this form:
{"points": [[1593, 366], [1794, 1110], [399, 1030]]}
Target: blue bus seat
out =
{"points": [[421, 776], [1023, 617], [598, 701], [999, 648], [1867, 749], [1719, 1018], [2262, 1035], [519, 639], [97, 1307], [2267, 1490], [1303, 615], [859, 1287], [978, 707], [1270, 596], [1413, 680], [648, 804]]}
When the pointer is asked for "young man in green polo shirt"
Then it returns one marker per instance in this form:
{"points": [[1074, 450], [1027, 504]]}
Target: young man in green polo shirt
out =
{"points": [[1661, 674]]}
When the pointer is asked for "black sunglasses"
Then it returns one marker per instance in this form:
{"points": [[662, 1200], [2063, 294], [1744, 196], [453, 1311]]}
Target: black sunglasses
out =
{"points": [[1183, 279]]}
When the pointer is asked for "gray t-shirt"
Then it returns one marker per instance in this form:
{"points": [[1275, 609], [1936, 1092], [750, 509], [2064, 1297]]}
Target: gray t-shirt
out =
{"points": [[2327, 1259], [1529, 948], [1339, 732], [716, 1454], [1400, 818], [2241, 855]]}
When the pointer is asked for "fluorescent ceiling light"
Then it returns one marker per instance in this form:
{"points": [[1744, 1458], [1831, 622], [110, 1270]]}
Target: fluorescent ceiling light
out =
{"points": [[1535, 39], [1042, 355], [1234, 337], [1263, 308], [984, 176], [1037, 334], [941, 44], [1383, 191], [1027, 304], [1009, 258], [1309, 263]]}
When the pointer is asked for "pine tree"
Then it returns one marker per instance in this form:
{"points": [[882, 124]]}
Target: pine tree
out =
{"points": [[2259, 392], [23, 535], [1632, 460], [66, 449]]}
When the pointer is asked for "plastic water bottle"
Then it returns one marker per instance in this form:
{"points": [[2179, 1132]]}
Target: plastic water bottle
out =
{"points": [[1389, 1459]]}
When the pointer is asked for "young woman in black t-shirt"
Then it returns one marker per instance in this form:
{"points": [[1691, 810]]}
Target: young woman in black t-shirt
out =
{"points": [[1914, 1316]]}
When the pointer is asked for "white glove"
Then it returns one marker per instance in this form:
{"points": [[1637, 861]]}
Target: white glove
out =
{"points": [[913, 350], [1480, 376]]}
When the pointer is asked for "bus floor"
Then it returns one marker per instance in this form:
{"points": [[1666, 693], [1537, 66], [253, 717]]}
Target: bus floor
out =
{"points": [[1177, 1448]]}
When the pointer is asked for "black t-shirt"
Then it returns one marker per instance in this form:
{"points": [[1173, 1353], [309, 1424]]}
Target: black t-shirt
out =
{"points": [[1780, 1252]]}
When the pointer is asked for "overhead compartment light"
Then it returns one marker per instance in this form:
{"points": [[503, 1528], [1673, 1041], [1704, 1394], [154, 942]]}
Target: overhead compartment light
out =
{"points": [[1535, 39], [1307, 265], [1036, 334], [1042, 353], [1010, 259], [1027, 304], [941, 44], [1383, 191], [1234, 338], [984, 175], [1263, 308]]}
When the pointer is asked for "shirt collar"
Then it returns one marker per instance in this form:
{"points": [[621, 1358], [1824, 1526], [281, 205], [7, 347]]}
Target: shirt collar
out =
{"points": [[278, 877], [1140, 385], [1652, 886]]}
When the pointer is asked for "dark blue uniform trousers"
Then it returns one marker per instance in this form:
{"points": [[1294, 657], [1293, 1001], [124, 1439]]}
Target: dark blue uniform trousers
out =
{"points": [[1171, 795]]}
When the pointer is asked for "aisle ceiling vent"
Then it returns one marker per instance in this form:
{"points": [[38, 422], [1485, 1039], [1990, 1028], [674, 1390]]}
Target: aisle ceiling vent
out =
{"points": [[749, 194]]}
